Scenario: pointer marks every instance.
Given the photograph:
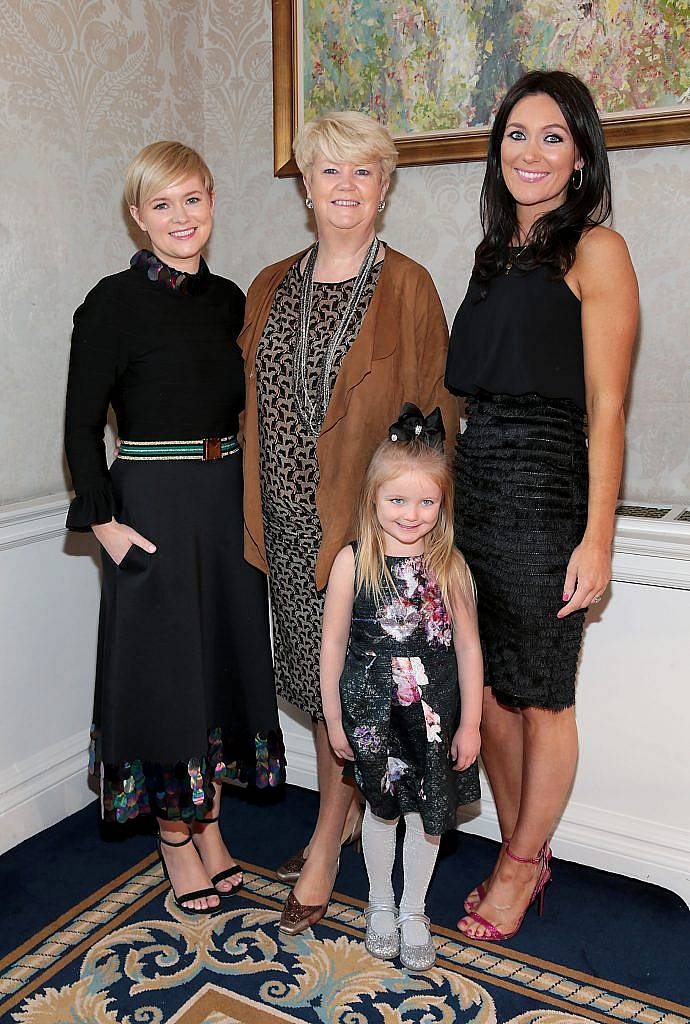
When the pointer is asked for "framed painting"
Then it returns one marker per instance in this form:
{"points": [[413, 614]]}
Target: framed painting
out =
{"points": [[434, 70]]}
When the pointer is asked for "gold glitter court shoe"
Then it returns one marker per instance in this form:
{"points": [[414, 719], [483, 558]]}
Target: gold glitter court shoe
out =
{"points": [[289, 870], [297, 917]]}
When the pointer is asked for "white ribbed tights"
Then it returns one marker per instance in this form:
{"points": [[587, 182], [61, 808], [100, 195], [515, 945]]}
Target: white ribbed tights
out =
{"points": [[419, 859]]}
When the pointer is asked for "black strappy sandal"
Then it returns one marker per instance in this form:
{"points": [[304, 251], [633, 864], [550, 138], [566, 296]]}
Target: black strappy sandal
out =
{"points": [[220, 876], [198, 894]]}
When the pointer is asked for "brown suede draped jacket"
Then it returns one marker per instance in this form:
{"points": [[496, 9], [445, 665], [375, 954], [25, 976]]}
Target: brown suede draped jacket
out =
{"points": [[398, 356]]}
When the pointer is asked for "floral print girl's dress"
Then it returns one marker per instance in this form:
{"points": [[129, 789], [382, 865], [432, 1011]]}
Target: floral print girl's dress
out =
{"points": [[401, 701]]}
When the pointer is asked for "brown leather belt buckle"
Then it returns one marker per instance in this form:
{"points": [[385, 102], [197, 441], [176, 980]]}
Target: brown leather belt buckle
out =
{"points": [[212, 449]]}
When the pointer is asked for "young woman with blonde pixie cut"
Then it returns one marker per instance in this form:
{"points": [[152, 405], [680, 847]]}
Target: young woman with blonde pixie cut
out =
{"points": [[336, 338], [184, 686]]}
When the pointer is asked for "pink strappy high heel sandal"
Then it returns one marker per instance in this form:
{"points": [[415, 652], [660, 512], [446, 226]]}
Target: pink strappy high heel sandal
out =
{"points": [[470, 903], [543, 858]]}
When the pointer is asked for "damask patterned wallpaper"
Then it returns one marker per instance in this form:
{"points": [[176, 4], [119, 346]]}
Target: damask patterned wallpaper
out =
{"points": [[85, 83]]}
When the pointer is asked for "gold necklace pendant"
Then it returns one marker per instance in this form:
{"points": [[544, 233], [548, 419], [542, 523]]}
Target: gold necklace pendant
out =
{"points": [[512, 260]]}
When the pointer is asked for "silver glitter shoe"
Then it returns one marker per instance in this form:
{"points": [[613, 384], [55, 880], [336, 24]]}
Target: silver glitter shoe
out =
{"points": [[383, 947], [416, 958]]}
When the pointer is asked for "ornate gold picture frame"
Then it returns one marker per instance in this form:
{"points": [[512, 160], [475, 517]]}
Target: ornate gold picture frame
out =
{"points": [[297, 33]]}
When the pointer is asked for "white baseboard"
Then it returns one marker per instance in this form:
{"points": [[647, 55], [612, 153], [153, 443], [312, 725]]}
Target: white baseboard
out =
{"points": [[301, 761], [625, 845], [50, 786], [634, 847], [44, 789]]}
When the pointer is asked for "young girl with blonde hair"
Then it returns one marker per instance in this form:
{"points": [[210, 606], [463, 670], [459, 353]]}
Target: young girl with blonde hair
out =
{"points": [[401, 675]]}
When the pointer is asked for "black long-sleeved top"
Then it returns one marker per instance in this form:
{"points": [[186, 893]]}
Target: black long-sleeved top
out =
{"points": [[167, 362]]}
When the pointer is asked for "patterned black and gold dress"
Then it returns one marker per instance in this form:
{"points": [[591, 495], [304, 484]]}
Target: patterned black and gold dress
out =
{"points": [[401, 702], [289, 476]]}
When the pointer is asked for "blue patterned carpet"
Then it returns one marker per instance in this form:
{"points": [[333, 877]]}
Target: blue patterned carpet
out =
{"points": [[90, 935]]}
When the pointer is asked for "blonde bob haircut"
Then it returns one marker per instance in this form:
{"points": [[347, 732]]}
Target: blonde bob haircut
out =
{"points": [[442, 560], [160, 165], [346, 136]]}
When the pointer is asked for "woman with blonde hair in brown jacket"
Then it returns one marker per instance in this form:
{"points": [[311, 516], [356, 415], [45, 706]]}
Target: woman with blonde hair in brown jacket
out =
{"points": [[335, 339]]}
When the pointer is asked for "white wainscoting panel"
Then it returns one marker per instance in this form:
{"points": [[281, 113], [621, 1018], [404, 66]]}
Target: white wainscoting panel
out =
{"points": [[43, 789], [629, 810], [49, 591]]}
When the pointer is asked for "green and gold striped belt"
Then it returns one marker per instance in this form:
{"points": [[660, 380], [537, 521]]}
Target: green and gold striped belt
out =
{"points": [[206, 450]]}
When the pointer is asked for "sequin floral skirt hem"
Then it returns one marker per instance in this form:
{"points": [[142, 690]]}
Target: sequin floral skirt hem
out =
{"points": [[184, 791]]}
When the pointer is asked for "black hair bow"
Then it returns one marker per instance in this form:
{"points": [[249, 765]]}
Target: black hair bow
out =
{"points": [[411, 424]]}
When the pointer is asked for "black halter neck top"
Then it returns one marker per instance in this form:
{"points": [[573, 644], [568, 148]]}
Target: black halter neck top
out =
{"points": [[525, 337]]}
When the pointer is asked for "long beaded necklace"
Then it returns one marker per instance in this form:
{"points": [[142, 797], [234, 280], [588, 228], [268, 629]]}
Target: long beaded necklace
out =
{"points": [[312, 413]]}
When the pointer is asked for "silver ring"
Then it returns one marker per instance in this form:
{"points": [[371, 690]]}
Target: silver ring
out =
{"points": [[596, 600]]}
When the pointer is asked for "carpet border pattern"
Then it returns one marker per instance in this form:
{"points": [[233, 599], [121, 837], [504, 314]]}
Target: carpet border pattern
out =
{"points": [[31, 965]]}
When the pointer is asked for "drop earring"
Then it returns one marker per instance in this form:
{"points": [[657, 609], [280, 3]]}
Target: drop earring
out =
{"points": [[382, 206], [309, 203]]}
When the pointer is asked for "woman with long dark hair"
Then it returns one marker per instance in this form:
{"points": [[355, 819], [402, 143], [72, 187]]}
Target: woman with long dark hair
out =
{"points": [[541, 347]]}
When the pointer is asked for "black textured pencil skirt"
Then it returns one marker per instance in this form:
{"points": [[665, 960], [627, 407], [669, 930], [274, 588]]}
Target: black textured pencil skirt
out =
{"points": [[184, 682], [521, 509]]}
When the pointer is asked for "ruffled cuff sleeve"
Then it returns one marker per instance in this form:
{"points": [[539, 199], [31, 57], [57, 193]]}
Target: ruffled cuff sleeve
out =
{"points": [[93, 506]]}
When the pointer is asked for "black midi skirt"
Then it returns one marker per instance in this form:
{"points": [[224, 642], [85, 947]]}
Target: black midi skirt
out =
{"points": [[521, 509], [184, 681]]}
